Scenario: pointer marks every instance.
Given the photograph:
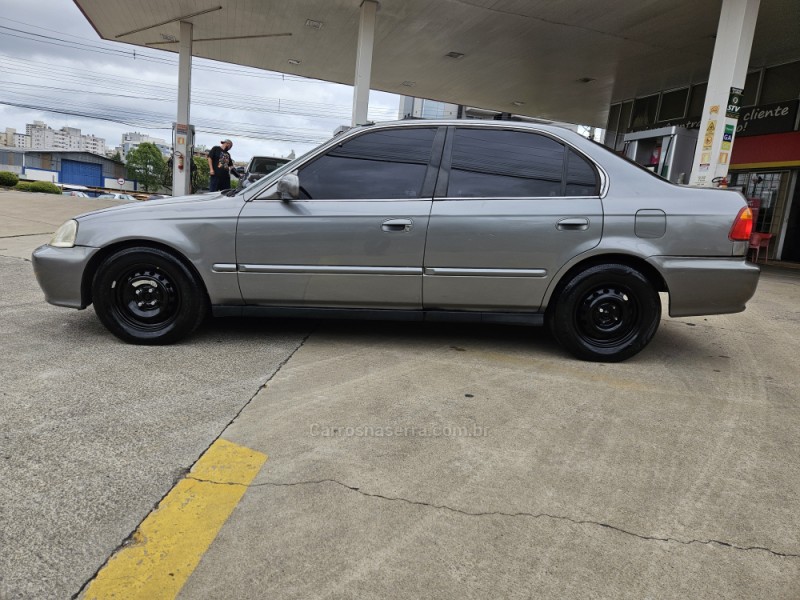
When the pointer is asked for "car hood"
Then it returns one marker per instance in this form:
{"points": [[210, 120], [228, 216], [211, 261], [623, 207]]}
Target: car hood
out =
{"points": [[155, 205]]}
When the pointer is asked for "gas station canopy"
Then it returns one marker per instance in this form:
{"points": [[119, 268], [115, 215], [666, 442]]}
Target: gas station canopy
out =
{"points": [[566, 60]]}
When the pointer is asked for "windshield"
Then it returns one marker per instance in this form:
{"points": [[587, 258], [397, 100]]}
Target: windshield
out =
{"points": [[264, 165], [286, 168]]}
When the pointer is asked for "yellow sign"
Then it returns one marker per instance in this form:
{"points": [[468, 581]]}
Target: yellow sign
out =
{"points": [[711, 127], [714, 110], [723, 158], [726, 145], [707, 141]]}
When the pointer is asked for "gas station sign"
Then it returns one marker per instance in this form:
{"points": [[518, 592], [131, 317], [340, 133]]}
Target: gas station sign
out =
{"points": [[734, 103]]}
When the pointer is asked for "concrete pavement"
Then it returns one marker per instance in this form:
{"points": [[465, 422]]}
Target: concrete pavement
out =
{"points": [[672, 475], [410, 461], [93, 432]]}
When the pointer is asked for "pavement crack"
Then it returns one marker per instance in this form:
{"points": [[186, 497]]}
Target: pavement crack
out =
{"points": [[15, 257], [530, 515], [20, 235]]}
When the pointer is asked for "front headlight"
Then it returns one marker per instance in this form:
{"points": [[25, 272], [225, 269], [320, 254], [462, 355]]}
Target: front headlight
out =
{"points": [[64, 237]]}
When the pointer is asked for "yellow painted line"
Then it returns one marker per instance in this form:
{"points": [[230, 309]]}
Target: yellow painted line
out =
{"points": [[170, 542]]}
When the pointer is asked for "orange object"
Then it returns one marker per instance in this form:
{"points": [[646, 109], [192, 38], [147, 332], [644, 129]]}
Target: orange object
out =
{"points": [[743, 226]]}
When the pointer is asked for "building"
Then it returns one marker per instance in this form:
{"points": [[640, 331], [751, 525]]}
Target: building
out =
{"points": [[65, 167], [43, 137], [132, 139], [765, 159], [12, 139]]}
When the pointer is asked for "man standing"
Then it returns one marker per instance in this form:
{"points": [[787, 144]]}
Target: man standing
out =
{"points": [[219, 167]]}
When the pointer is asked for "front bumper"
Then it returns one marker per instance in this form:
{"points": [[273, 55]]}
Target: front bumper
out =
{"points": [[707, 286], [59, 272]]}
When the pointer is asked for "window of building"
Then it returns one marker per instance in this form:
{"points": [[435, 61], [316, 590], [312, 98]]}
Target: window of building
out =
{"points": [[613, 125], [673, 105], [781, 83], [382, 165], [750, 95], [613, 118], [625, 116], [644, 111], [697, 100], [767, 189]]}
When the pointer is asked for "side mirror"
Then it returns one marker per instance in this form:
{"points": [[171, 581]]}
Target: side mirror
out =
{"points": [[289, 187]]}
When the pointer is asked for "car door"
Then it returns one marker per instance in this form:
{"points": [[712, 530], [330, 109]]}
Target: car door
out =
{"points": [[356, 235], [511, 207]]}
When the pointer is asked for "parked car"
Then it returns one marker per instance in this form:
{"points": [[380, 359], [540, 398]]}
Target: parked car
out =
{"points": [[258, 167], [497, 222], [75, 194], [117, 196]]}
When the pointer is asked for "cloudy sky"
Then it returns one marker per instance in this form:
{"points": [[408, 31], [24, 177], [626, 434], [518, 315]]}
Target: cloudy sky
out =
{"points": [[55, 68]]}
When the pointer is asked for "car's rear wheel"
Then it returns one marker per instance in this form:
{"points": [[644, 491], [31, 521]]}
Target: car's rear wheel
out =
{"points": [[606, 313], [147, 296]]}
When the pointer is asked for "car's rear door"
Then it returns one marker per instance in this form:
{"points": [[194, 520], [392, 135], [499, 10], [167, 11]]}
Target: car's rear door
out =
{"points": [[511, 207], [356, 236]]}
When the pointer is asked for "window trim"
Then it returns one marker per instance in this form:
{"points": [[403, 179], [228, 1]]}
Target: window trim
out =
{"points": [[428, 179], [440, 193], [260, 190]]}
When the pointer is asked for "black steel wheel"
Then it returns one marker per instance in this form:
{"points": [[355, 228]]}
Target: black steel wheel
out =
{"points": [[147, 296], [606, 313]]}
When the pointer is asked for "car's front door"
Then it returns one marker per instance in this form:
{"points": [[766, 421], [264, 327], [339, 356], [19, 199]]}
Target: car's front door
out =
{"points": [[356, 235], [511, 208]]}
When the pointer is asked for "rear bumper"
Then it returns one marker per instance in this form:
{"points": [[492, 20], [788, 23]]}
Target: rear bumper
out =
{"points": [[707, 286], [59, 272]]}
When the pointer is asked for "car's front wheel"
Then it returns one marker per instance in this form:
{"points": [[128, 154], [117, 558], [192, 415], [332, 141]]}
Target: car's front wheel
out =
{"points": [[147, 296], [606, 313]]}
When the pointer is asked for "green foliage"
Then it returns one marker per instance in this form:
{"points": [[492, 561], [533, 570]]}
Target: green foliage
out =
{"points": [[44, 187], [200, 175], [146, 165], [8, 178], [116, 156]]}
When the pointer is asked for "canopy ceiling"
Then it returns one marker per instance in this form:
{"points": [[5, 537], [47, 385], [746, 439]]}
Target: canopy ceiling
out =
{"points": [[565, 60]]}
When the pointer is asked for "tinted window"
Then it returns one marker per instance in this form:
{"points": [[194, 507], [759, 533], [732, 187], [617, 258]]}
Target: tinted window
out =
{"points": [[673, 104], [495, 163], [381, 165], [581, 177]]}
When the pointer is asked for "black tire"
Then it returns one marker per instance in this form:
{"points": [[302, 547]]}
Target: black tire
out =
{"points": [[147, 296], [606, 313]]}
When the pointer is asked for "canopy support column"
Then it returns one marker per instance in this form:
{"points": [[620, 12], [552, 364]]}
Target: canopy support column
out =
{"points": [[366, 40], [183, 132], [737, 24]]}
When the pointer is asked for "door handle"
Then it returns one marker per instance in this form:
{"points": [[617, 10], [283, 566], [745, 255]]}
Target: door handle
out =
{"points": [[397, 225], [573, 224]]}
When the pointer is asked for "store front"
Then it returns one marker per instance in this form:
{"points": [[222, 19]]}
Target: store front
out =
{"points": [[765, 168]]}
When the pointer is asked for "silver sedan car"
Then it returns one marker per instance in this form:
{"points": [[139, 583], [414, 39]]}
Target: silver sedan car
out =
{"points": [[497, 222]]}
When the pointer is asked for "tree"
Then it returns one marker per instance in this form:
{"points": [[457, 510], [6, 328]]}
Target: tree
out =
{"points": [[200, 175], [146, 165], [117, 156]]}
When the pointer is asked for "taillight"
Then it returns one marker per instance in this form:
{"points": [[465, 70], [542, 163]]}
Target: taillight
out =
{"points": [[742, 226]]}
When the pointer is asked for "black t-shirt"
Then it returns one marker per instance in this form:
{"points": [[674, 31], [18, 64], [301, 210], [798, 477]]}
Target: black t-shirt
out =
{"points": [[220, 160]]}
